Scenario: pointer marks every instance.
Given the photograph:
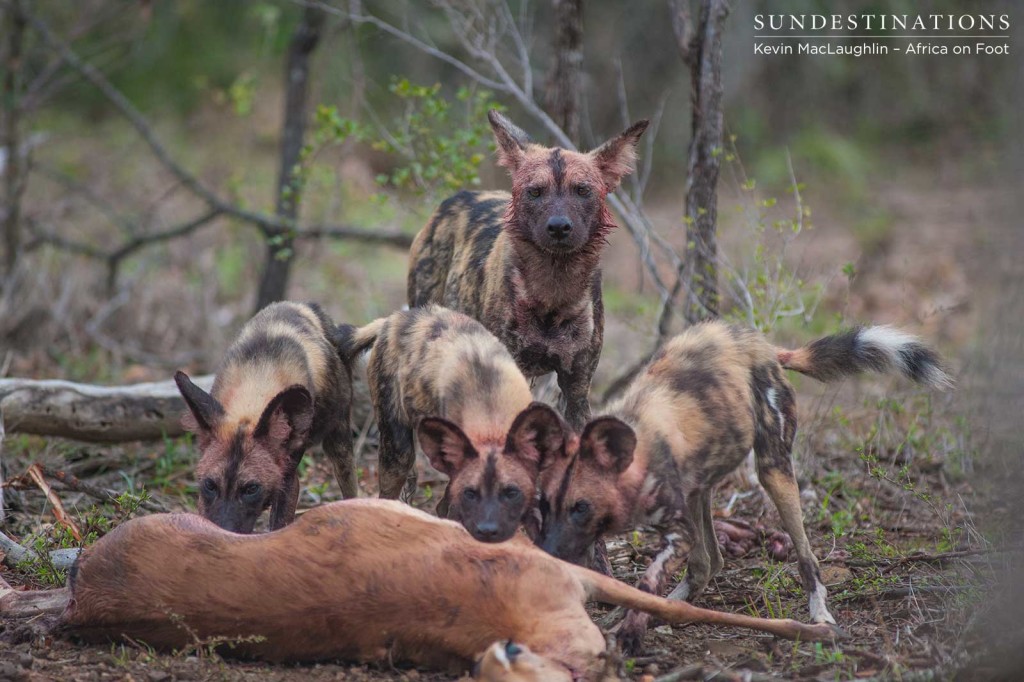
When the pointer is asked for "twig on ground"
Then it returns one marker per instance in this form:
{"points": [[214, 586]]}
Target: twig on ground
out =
{"points": [[72, 482], [35, 472]]}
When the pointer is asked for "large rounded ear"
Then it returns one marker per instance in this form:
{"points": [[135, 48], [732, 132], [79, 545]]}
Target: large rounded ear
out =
{"points": [[286, 421], [538, 435], [204, 410], [616, 158], [609, 442], [444, 444], [512, 140]]}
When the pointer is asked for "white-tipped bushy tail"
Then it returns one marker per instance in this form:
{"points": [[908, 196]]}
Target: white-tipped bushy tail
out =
{"points": [[882, 349]]}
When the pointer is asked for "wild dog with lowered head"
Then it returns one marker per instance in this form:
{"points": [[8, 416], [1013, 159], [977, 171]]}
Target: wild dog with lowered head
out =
{"points": [[526, 265], [443, 375], [362, 580], [281, 388], [706, 399]]}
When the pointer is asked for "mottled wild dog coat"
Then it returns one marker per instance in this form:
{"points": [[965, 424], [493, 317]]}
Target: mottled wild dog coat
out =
{"points": [[281, 388], [526, 265], [363, 580], [706, 399], [445, 376]]}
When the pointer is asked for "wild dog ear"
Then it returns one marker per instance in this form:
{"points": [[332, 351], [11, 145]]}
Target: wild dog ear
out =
{"points": [[444, 444], [286, 420], [204, 410], [616, 158], [609, 442], [538, 435], [512, 140]]}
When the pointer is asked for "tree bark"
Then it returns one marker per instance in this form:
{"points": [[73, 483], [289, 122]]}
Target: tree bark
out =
{"points": [[280, 254], [14, 23], [565, 84], [702, 52], [97, 414]]}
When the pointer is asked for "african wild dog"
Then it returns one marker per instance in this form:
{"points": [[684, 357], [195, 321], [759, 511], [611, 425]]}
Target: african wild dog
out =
{"points": [[442, 374], [706, 398], [282, 387], [526, 265], [362, 580]]}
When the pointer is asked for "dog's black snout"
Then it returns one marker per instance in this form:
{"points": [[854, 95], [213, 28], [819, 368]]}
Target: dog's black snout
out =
{"points": [[487, 531], [559, 227]]}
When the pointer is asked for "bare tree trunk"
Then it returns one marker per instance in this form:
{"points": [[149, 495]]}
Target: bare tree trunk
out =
{"points": [[274, 283], [565, 85], [701, 50], [14, 25]]}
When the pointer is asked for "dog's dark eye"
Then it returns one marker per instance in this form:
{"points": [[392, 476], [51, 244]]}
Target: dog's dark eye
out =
{"points": [[535, 192], [470, 494], [580, 509], [582, 190], [252, 491], [512, 494], [209, 486]]}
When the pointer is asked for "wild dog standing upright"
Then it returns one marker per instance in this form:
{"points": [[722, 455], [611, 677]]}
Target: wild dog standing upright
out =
{"points": [[526, 265], [443, 374], [281, 388], [705, 400]]}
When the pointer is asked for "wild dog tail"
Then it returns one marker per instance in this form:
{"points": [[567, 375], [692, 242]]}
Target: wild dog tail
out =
{"points": [[351, 340], [611, 591], [882, 349]]}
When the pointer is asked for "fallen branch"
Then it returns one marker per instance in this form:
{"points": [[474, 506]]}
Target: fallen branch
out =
{"points": [[14, 554], [36, 474], [98, 414]]}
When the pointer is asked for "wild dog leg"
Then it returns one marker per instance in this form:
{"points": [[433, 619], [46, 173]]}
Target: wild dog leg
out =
{"points": [[396, 461], [575, 387], [282, 510], [678, 542], [340, 450], [782, 488], [704, 559]]}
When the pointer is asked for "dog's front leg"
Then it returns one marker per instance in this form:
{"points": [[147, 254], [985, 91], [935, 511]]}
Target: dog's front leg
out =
{"points": [[575, 386]]}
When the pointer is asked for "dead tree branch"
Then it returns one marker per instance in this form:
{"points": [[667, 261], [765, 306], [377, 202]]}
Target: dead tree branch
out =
{"points": [[98, 414], [15, 554]]}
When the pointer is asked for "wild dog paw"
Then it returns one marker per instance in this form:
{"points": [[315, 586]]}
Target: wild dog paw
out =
{"points": [[630, 634]]}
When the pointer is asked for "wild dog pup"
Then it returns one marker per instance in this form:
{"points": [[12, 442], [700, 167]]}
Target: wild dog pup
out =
{"points": [[707, 398], [526, 265], [445, 376], [362, 580], [282, 387]]}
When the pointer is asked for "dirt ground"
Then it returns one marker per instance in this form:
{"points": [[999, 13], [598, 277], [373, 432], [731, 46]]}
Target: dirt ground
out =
{"points": [[895, 497]]}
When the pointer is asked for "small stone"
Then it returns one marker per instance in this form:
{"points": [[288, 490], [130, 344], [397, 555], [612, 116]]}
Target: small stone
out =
{"points": [[25, 660], [663, 629], [412, 675], [158, 676], [651, 669]]}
